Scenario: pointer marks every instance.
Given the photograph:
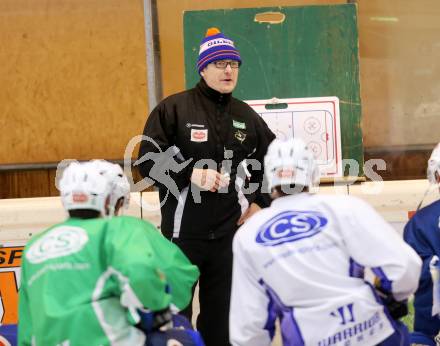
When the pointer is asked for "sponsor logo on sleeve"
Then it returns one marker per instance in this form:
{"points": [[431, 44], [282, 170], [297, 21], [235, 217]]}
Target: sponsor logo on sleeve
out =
{"points": [[199, 135], [60, 241], [239, 125], [290, 226]]}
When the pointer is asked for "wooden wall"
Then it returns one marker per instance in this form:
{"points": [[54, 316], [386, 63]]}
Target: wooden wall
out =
{"points": [[35, 183], [73, 78], [400, 73]]}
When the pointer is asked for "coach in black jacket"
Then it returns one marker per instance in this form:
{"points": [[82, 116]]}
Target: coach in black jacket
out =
{"points": [[204, 149]]}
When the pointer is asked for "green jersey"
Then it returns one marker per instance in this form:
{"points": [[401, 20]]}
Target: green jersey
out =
{"points": [[82, 281]]}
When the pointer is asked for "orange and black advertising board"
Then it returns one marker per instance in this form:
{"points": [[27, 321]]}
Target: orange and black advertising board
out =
{"points": [[10, 261]]}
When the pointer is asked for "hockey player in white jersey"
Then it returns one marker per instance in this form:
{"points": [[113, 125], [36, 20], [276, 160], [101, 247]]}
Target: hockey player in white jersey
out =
{"points": [[302, 260], [120, 196]]}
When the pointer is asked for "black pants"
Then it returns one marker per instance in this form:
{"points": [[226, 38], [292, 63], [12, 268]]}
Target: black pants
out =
{"points": [[214, 259]]}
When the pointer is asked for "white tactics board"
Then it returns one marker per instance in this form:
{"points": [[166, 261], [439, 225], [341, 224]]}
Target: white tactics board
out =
{"points": [[315, 120]]}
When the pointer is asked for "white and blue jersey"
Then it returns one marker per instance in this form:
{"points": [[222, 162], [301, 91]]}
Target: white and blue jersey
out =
{"points": [[302, 261], [422, 232]]}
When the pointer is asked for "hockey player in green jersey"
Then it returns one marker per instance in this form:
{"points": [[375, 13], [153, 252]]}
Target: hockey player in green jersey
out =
{"points": [[87, 280], [172, 258], [179, 328]]}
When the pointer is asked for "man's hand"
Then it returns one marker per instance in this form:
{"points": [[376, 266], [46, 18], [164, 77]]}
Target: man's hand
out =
{"points": [[253, 208], [209, 179]]}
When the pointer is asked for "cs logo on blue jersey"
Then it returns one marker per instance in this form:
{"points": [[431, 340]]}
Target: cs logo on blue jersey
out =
{"points": [[290, 226]]}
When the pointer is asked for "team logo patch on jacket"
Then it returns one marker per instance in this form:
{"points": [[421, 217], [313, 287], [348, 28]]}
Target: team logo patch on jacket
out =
{"points": [[240, 136], [290, 226], [199, 135], [60, 241]]}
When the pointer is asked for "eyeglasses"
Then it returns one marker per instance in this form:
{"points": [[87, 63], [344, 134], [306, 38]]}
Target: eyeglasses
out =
{"points": [[223, 63]]}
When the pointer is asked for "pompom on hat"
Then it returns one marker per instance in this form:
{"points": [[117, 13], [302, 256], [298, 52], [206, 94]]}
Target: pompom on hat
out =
{"points": [[216, 46]]}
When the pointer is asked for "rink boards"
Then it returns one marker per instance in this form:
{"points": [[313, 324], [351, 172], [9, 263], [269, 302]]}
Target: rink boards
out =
{"points": [[22, 218]]}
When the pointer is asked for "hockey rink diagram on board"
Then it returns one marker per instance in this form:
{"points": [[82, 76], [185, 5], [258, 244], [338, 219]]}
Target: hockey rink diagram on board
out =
{"points": [[315, 120]]}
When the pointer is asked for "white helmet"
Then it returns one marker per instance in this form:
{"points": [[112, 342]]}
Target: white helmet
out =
{"points": [[82, 187], [434, 165], [290, 162], [119, 182]]}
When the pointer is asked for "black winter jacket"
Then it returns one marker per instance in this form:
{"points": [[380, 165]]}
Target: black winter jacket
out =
{"points": [[203, 128]]}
